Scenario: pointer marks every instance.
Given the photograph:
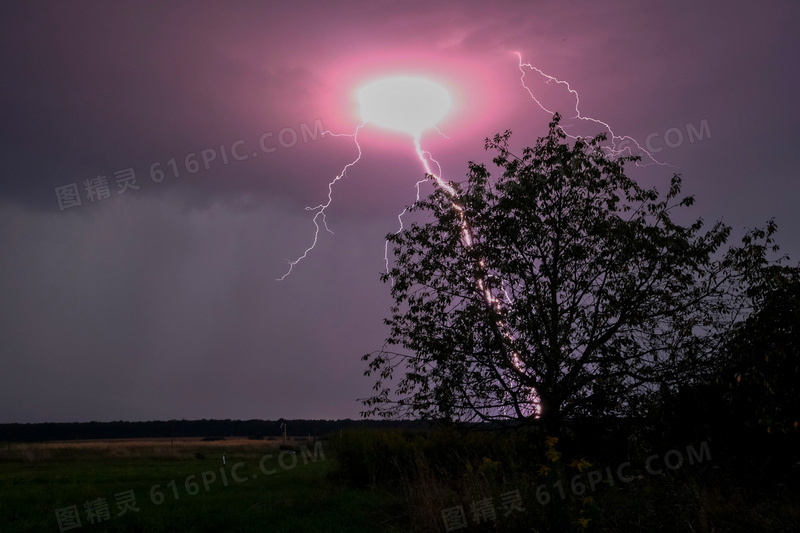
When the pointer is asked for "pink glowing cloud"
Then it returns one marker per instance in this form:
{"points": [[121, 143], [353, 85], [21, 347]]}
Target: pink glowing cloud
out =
{"points": [[475, 97]]}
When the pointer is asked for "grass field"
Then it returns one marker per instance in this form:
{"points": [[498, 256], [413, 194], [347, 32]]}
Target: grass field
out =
{"points": [[183, 486]]}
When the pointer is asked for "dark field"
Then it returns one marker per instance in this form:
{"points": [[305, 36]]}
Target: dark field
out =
{"points": [[389, 481], [181, 488]]}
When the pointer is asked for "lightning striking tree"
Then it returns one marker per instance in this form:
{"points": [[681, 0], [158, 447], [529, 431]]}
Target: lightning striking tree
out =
{"points": [[573, 294]]}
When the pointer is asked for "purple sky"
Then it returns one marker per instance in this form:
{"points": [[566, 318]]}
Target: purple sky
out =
{"points": [[162, 302]]}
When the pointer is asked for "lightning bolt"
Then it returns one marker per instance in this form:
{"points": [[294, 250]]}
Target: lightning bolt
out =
{"points": [[421, 154], [613, 151], [319, 210], [493, 303]]}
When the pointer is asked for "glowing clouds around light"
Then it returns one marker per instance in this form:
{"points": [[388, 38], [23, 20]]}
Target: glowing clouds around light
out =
{"points": [[407, 104]]}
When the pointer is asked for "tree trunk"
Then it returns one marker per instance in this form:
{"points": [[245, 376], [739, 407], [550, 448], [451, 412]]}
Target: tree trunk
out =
{"points": [[550, 419]]}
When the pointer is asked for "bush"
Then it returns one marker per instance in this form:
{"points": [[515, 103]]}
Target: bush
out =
{"points": [[372, 457]]}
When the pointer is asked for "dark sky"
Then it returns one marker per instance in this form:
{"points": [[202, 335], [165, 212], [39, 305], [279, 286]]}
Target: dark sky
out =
{"points": [[162, 302]]}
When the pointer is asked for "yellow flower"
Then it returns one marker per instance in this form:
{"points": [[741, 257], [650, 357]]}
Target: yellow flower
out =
{"points": [[583, 522], [580, 465], [553, 455], [551, 441], [544, 470]]}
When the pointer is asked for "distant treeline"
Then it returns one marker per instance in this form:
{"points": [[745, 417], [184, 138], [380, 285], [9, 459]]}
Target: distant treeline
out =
{"points": [[187, 428]]}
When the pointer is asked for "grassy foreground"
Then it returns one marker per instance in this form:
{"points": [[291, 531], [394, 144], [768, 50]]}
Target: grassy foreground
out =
{"points": [[183, 487], [592, 480], [391, 482]]}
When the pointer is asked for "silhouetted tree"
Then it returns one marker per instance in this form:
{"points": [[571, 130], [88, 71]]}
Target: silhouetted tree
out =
{"points": [[559, 289]]}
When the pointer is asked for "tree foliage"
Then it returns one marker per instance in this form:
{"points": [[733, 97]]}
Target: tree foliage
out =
{"points": [[561, 288], [762, 372]]}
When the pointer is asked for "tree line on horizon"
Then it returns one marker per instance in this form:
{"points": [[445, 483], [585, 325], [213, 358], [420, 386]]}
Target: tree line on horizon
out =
{"points": [[155, 429]]}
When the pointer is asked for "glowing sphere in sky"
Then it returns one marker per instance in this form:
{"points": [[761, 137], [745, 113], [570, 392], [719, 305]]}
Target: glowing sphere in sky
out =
{"points": [[407, 104]]}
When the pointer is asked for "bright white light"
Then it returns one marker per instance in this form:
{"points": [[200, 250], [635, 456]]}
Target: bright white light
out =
{"points": [[410, 105]]}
